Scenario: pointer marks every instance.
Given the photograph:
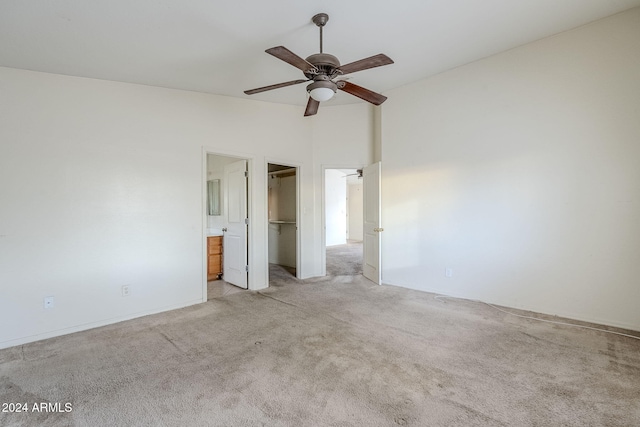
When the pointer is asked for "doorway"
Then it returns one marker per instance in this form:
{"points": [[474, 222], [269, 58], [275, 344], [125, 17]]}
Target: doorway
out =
{"points": [[343, 214], [282, 211], [226, 248]]}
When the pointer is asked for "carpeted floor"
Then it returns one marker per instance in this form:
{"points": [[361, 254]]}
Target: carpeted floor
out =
{"points": [[334, 351], [344, 260]]}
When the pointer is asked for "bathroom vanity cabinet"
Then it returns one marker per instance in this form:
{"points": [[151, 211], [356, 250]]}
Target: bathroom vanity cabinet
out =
{"points": [[214, 257]]}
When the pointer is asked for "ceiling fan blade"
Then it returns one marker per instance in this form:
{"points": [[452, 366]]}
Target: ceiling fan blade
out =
{"points": [[312, 107], [286, 55], [366, 63], [276, 86], [362, 93]]}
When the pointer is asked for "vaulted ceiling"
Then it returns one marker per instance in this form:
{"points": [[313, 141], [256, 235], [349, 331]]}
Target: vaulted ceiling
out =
{"points": [[217, 46]]}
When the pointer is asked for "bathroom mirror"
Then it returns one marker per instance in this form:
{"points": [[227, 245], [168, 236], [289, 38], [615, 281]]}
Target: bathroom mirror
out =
{"points": [[213, 197]]}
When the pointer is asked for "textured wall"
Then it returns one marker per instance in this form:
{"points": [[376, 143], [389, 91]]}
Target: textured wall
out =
{"points": [[520, 173], [101, 186]]}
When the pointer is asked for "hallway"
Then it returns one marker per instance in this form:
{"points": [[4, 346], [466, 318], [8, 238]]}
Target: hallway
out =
{"points": [[345, 260]]}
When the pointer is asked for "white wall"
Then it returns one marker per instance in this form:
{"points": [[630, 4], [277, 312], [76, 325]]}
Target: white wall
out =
{"points": [[355, 212], [335, 203], [282, 207], [282, 198], [282, 244], [101, 185], [520, 172]]}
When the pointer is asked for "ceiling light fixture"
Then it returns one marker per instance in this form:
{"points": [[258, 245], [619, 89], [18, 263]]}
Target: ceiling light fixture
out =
{"points": [[322, 90]]}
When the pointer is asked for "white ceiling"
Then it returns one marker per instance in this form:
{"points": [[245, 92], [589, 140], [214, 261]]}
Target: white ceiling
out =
{"points": [[217, 46]]}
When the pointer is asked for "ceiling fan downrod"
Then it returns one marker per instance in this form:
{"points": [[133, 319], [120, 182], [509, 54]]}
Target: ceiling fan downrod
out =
{"points": [[320, 20]]}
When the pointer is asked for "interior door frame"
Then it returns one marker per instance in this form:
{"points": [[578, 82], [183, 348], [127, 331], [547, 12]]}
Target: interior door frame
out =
{"points": [[252, 279], [298, 166], [323, 240]]}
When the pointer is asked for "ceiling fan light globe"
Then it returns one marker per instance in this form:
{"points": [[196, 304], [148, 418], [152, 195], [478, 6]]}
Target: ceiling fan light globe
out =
{"points": [[321, 94]]}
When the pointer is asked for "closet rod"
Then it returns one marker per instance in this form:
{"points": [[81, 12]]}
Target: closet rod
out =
{"points": [[290, 170]]}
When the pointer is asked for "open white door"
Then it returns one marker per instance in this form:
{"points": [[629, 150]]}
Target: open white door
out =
{"points": [[372, 219], [234, 266]]}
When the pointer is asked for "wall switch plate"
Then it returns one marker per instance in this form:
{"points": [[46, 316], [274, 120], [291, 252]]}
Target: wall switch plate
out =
{"points": [[126, 291], [48, 302], [448, 272]]}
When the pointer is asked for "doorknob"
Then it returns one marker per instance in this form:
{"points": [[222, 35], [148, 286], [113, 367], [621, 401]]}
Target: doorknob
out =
{"points": [[224, 230]]}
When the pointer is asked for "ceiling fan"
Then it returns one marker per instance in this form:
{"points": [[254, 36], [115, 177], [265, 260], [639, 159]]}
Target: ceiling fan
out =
{"points": [[358, 174], [323, 69]]}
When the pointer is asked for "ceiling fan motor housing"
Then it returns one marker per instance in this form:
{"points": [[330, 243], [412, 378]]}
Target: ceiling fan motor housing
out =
{"points": [[324, 63]]}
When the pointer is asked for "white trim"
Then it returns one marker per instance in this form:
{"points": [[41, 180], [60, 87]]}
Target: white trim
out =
{"points": [[252, 280], [92, 325], [299, 217]]}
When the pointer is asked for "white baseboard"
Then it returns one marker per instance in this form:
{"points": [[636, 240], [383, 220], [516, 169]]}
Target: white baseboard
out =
{"points": [[92, 325]]}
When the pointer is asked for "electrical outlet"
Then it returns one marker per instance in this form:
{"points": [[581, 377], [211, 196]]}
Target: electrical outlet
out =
{"points": [[448, 272], [126, 291], [48, 302]]}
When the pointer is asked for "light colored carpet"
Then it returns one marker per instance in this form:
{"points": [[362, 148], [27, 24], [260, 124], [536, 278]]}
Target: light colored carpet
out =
{"points": [[344, 260], [328, 352]]}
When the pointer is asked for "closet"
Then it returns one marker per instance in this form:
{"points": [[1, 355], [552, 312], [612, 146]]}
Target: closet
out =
{"points": [[282, 188]]}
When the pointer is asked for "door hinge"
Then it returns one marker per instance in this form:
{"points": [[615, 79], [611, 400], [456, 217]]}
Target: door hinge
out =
{"points": [[246, 268], [246, 221], [246, 174]]}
